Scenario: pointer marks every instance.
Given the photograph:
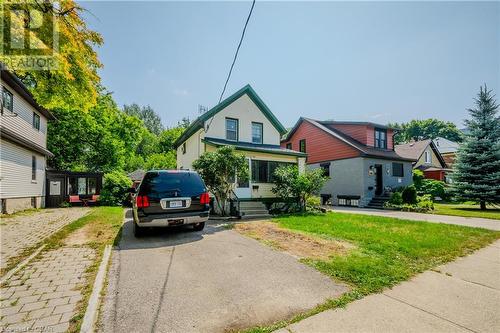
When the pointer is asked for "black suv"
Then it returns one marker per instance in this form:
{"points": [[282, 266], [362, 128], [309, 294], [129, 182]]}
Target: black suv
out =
{"points": [[170, 198]]}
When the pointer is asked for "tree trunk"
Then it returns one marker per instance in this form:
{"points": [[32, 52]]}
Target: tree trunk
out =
{"points": [[482, 204]]}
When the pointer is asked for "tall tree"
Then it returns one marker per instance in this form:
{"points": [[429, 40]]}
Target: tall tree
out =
{"points": [[426, 129], [476, 174], [74, 84], [151, 119]]}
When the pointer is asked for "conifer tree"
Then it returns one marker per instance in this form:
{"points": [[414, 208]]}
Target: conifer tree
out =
{"points": [[476, 174]]}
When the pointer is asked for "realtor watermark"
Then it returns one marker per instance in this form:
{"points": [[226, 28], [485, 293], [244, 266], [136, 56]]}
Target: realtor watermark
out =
{"points": [[29, 34]]}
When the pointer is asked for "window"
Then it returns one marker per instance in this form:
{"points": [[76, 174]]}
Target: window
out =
{"points": [[232, 129], [184, 148], [397, 170], [428, 157], [302, 145], [263, 171], [289, 145], [92, 185], [256, 132], [33, 167], [7, 100], [36, 121], [326, 169], [380, 138]]}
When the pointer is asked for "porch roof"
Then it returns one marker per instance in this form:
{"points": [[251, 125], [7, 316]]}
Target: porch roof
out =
{"points": [[248, 146]]}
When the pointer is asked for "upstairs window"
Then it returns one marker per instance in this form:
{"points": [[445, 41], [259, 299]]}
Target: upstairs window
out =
{"points": [[7, 100], [380, 138], [397, 170], [289, 145], [36, 121], [302, 145], [33, 167], [428, 157], [257, 133], [183, 148], [326, 169], [232, 129]]}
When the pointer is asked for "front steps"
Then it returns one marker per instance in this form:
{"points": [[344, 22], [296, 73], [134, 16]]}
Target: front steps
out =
{"points": [[377, 202], [253, 210]]}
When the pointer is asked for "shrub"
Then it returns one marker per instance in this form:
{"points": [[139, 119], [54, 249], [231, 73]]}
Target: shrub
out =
{"points": [[434, 188], [313, 202], [115, 188], [425, 202], [396, 199], [418, 177], [409, 195]]}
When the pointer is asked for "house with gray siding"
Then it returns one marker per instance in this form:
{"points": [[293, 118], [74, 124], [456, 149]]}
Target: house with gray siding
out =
{"points": [[23, 146], [358, 158]]}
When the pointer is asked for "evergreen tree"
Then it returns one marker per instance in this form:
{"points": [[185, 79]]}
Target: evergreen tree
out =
{"points": [[476, 174]]}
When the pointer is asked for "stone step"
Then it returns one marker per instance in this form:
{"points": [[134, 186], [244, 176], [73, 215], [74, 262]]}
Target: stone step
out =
{"points": [[256, 216], [252, 205], [253, 211]]}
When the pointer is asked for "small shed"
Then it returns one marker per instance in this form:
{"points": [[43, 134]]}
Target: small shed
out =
{"points": [[63, 184], [136, 177]]}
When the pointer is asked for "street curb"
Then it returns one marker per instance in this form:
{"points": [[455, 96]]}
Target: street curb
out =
{"points": [[90, 318], [23, 263]]}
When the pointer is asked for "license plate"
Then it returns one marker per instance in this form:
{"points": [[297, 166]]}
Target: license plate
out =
{"points": [[175, 222], [175, 204]]}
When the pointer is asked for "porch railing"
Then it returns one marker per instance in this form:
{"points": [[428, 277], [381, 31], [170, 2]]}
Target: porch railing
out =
{"points": [[234, 205]]}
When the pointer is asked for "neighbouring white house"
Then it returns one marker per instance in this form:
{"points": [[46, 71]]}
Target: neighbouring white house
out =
{"points": [[23, 146], [245, 122]]}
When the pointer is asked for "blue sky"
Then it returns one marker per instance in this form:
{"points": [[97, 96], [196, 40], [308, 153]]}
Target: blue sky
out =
{"points": [[364, 61]]}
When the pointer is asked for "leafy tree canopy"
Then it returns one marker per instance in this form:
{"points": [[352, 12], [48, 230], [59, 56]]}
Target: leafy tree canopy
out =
{"points": [[426, 129], [75, 84], [218, 169], [151, 119], [476, 174]]}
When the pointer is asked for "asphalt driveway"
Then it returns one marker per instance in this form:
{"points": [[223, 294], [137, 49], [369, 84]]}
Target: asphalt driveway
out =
{"points": [[210, 281]]}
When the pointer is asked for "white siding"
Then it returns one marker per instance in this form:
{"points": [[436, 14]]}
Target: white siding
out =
{"points": [[194, 148], [23, 123], [245, 110], [15, 172]]}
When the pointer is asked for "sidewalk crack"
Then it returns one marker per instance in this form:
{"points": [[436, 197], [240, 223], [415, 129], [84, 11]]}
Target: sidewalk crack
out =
{"points": [[432, 314]]}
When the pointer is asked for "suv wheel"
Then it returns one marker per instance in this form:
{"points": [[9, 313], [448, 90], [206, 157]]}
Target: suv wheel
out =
{"points": [[138, 231], [199, 226]]}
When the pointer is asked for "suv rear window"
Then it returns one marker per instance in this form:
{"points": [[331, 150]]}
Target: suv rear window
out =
{"points": [[172, 184]]}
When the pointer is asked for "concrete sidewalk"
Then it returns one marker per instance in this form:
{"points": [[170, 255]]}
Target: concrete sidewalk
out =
{"points": [[433, 218], [462, 296]]}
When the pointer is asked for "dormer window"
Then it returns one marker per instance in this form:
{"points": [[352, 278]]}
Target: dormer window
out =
{"points": [[257, 133], [380, 138], [7, 100], [232, 129]]}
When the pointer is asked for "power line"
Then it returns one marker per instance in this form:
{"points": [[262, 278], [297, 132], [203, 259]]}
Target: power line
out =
{"points": [[235, 57], [237, 50]]}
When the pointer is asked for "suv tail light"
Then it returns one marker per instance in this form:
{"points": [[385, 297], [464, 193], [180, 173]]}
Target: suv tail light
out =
{"points": [[142, 201], [205, 198]]}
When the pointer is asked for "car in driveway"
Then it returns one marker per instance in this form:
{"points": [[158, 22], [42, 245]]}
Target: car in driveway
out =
{"points": [[167, 198]]}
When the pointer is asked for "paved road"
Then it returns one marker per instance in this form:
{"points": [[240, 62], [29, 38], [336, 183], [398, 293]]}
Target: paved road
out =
{"points": [[462, 296], [210, 281], [459, 220]]}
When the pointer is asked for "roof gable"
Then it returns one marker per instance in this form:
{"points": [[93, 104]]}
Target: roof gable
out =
{"points": [[414, 150], [248, 90]]}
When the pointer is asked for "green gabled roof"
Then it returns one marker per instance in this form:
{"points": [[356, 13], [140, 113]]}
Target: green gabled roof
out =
{"points": [[248, 90]]}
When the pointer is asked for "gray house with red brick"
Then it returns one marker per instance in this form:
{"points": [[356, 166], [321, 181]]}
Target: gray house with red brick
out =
{"points": [[358, 158]]}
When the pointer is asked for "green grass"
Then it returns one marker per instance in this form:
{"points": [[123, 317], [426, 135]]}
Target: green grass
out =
{"points": [[466, 210], [388, 251]]}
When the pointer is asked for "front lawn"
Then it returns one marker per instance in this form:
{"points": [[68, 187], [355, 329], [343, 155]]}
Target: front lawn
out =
{"points": [[385, 251], [466, 210]]}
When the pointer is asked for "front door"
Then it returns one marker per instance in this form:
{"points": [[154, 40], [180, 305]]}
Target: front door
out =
{"points": [[55, 192], [379, 181], [242, 189]]}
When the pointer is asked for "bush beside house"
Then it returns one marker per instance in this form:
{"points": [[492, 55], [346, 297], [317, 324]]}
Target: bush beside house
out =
{"points": [[115, 188]]}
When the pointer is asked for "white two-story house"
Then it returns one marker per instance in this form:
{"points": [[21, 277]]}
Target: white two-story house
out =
{"points": [[245, 122], [23, 146]]}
